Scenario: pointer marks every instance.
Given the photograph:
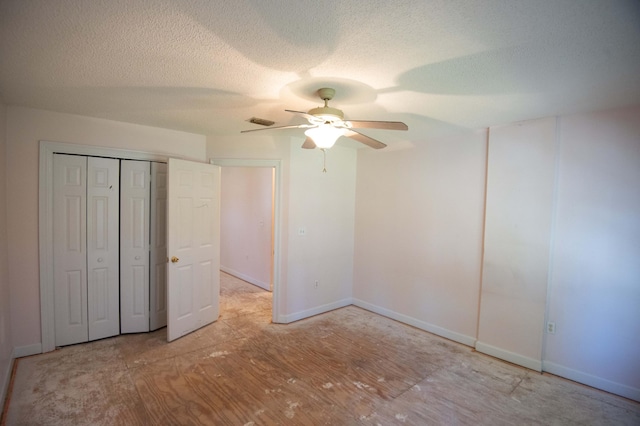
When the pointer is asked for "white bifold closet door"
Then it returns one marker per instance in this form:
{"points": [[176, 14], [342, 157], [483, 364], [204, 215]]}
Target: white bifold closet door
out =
{"points": [[143, 246], [86, 248], [70, 249], [113, 223], [103, 248], [158, 270], [135, 193]]}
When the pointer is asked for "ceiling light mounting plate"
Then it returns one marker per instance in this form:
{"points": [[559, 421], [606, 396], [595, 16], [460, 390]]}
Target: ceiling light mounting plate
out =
{"points": [[326, 93]]}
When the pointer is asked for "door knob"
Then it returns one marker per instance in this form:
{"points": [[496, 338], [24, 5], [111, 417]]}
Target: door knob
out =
{"points": [[174, 259]]}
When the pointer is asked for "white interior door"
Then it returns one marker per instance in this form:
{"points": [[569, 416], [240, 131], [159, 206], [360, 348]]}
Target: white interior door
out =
{"points": [[103, 192], [158, 272], [135, 195], [193, 246], [69, 249]]}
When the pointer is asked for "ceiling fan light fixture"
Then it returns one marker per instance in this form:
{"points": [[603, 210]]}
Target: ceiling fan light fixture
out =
{"points": [[327, 124], [324, 136]]}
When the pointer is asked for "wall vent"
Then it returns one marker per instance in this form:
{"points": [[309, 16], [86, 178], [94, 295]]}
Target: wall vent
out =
{"points": [[261, 121]]}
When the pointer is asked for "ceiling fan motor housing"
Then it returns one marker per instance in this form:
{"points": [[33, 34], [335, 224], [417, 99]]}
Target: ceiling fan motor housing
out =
{"points": [[327, 113]]}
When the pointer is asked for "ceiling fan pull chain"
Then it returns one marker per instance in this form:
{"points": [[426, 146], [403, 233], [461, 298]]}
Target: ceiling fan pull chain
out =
{"points": [[324, 160]]}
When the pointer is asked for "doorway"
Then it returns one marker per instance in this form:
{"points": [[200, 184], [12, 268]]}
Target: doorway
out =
{"points": [[271, 168], [246, 224]]}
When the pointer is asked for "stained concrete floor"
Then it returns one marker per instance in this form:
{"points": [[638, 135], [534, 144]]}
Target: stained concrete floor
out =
{"points": [[345, 367]]}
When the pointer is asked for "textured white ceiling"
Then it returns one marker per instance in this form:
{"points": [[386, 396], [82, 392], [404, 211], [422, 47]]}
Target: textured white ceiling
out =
{"points": [[206, 66]]}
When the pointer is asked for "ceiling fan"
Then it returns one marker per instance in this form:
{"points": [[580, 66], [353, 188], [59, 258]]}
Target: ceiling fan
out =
{"points": [[327, 124]]}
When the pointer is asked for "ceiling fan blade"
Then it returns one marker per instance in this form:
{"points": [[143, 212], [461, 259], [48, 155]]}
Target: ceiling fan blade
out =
{"points": [[364, 139], [386, 125], [273, 128], [309, 144], [302, 113]]}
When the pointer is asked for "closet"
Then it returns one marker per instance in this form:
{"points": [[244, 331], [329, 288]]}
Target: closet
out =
{"points": [[109, 247]]}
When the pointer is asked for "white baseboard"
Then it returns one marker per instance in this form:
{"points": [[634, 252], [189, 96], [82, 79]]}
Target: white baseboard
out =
{"points": [[593, 381], [511, 357], [246, 278], [422, 325], [285, 319], [28, 350]]}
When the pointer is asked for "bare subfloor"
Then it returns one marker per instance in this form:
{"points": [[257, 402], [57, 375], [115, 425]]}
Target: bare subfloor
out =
{"points": [[345, 367]]}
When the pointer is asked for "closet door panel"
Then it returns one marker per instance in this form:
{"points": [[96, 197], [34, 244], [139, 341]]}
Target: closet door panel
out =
{"points": [[69, 249], [103, 190], [134, 245], [158, 284]]}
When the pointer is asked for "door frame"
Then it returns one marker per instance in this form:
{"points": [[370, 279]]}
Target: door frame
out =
{"points": [[277, 225], [45, 220]]}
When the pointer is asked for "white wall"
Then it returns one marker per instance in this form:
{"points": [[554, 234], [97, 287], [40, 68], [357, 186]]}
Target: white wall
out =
{"points": [[6, 345], [418, 234], [595, 283], [519, 206], [25, 128], [323, 204], [562, 243], [246, 209]]}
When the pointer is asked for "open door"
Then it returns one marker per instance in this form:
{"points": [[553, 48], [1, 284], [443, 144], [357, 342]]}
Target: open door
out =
{"points": [[193, 246]]}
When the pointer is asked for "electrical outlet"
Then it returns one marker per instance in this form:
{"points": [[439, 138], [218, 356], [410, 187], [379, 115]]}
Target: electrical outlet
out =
{"points": [[316, 284], [302, 231], [551, 327]]}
